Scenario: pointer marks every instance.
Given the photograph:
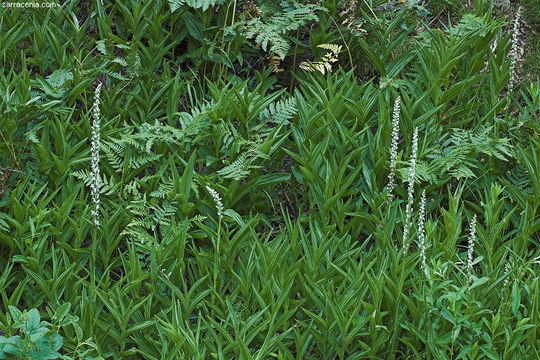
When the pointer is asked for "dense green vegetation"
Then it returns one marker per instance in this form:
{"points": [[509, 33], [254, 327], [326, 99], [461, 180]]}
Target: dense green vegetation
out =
{"points": [[229, 179]]}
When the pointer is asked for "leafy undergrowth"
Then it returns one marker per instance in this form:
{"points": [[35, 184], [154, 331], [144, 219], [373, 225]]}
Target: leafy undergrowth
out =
{"points": [[268, 179]]}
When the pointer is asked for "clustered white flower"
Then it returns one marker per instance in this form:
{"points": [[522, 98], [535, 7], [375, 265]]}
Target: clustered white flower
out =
{"points": [[513, 50], [410, 190], [470, 246], [217, 200], [494, 42], [422, 229], [94, 171], [393, 150], [506, 271]]}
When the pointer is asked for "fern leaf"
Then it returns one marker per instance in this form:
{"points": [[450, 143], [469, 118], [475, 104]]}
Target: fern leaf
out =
{"points": [[196, 4], [280, 112], [325, 65]]}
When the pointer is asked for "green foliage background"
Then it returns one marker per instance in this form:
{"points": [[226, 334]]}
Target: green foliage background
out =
{"points": [[305, 261]]}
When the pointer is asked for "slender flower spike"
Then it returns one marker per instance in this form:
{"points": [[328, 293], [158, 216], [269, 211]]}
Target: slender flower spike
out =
{"points": [[393, 150], [421, 229], [410, 190], [94, 171], [217, 200], [506, 271], [513, 50], [470, 247]]}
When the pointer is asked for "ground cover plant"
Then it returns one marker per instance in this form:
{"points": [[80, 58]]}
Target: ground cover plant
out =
{"points": [[229, 179]]}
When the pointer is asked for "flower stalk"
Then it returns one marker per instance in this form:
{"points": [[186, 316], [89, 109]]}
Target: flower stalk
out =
{"points": [[513, 51], [95, 185], [410, 189], [219, 207], [422, 230], [217, 200], [506, 271], [393, 150], [470, 248]]}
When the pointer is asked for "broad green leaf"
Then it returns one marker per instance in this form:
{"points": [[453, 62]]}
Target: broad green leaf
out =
{"points": [[516, 297]]}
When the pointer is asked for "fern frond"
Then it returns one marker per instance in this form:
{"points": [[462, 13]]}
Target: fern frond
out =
{"points": [[141, 160], [137, 230], [242, 166], [460, 150], [162, 214], [237, 170], [325, 65], [272, 30], [196, 4], [333, 48], [275, 62], [108, 186], [266, 34], [4, 226], [280, 112], [163, 190], [520, 178], [114, 153]]}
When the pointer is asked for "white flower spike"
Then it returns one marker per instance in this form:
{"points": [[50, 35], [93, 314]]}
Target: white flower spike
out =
{"points": [[513, 51], [470, 247], [410, 189], [421, 229], [393, 150], [217, 200], [94, 171]]}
